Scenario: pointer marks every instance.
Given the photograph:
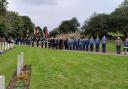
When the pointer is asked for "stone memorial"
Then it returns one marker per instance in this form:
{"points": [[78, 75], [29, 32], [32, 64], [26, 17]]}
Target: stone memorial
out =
{"points": [[2, 82]]}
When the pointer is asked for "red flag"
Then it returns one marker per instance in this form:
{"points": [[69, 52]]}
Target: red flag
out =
{"points": [[46, 32]]}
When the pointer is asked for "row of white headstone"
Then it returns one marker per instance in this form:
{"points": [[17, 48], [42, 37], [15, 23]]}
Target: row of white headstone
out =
{"points": [[20, 65], [6, 46]]}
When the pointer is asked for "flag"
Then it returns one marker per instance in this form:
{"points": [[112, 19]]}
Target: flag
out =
{"points": [[46, 32]]}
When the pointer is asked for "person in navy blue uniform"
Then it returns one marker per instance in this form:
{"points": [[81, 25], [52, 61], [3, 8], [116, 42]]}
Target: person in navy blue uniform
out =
{"points": [[74, 44], [77, 44], [91, 44], [83, 44], [104, 44], [71, 44], [29, 41], [97, 43], [125, 46], [87, 44], [66, 43]]}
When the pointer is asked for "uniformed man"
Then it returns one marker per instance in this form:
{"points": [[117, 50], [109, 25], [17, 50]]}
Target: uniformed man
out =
{"points": [[83, 43], [87, 44], [91, 44], [104, 44], [97, 43]]}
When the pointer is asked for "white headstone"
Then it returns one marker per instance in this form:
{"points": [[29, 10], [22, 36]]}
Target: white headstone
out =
{"points": [[22, 60], [8, 46], [5, 46], [18, 65], [2, 82]]}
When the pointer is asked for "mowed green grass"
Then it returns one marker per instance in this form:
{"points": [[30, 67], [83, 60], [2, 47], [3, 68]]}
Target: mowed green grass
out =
{"points": [[54, 69]]}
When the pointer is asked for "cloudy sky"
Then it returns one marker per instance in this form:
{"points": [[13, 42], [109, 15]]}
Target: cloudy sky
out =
{"points": [[51, 12]]}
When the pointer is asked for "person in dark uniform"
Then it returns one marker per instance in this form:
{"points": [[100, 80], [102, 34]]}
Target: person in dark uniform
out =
{"points": [[46, 43], [104, 44], [53, 43], [60, 43], [83, 44], [87, 44], [91, 44], [49, 43], [77, 44], [97, 43], [37, 41], [56, 43], [66, 44], [29, 41], [32, 41], [125, 46], [74, 44], [42, 42]]}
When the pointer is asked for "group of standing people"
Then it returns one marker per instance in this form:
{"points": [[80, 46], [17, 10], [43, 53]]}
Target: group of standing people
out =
{"points": [[23, 41], [84, 44]]}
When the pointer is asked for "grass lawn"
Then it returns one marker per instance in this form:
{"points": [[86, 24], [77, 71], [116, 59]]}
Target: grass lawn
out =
{"points": [[53, 69]]}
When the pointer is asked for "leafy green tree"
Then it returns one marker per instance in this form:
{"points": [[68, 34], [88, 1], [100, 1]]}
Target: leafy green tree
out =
{"points": [[3, 6], [68, 26], [101, 24], [27, 26], [54, 32], [2, 27], [13, 24], [96, 25]]}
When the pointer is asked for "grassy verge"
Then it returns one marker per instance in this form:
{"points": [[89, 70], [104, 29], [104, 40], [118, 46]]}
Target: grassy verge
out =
{"points": [[54, 69]]}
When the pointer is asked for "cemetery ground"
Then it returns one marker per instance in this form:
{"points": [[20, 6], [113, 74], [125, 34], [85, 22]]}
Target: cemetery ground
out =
{"points": [[58, 69]]}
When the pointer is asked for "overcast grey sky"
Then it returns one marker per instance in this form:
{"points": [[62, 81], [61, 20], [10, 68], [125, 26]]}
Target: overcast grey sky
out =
{"points": [[51, 12]]}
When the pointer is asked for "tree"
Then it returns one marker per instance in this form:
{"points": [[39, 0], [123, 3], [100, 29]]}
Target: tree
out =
{"points": [[96, 25], [54, 32], [122, 17], [27, 26], [101, 24], [3, 6], [69, 26], [13, 24], [2, 27]]}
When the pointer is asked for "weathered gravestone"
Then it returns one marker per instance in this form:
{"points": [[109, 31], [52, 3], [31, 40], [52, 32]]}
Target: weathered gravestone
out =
{"points": [[18, 66], [20, 63], [22, 59], [2, 82]]}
